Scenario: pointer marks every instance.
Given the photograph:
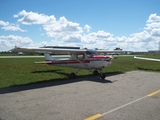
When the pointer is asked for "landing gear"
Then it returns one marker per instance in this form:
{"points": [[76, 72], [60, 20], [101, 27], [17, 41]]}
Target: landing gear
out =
{"points": [[95, 72], [102, 75], [72, 76]]}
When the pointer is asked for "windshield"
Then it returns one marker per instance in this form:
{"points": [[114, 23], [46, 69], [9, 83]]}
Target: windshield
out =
{"points": [[91, 52]]}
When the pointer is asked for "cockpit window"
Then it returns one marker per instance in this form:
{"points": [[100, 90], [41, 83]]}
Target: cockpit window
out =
{"points": [[91, 53]]}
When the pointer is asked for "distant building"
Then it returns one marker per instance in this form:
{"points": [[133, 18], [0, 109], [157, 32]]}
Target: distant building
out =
{"points": [[20, 53], [154, 51], [117, 48]]}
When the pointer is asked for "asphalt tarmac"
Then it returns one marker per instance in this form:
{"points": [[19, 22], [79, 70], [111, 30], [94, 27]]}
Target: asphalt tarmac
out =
{"points": [[126, 96]]}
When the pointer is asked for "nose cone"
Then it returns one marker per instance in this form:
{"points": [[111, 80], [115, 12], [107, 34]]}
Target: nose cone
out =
{"points": [[109, 58]]}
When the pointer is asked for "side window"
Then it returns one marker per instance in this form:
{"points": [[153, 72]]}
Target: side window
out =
{"points": [[81, 56]]}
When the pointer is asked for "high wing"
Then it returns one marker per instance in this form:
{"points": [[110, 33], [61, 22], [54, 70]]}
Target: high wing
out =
{"points": [[62, 51], [147, 58], [58, 50], [49, 50]]}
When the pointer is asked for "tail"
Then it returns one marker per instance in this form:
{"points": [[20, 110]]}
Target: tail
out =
{"points": [[48, 57]]}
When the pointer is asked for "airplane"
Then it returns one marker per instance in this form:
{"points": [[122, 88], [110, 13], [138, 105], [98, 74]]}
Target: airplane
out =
{"points": [[158, 60], [79, 58]]}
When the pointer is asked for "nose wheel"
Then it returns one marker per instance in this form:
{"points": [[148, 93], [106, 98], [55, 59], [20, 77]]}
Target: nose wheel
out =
{"points": [[102, 75]]}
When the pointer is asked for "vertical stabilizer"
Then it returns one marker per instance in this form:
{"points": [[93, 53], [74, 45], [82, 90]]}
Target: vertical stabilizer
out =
{"points": [[48, 57]]}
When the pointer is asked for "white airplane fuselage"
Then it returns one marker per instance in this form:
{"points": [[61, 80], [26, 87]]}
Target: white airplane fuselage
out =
{"points": [[93, 62]]}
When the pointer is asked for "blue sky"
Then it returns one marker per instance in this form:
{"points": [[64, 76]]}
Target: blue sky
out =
{"points": [[105, 24]]}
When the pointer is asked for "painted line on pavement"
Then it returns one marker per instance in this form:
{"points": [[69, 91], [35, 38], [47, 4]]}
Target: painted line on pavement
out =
{"points": [[94, 117], [154, 93], [100, 115], [124, 105]]}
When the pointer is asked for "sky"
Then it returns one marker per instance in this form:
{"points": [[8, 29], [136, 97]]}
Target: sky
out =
{"points": [[132, 25]]}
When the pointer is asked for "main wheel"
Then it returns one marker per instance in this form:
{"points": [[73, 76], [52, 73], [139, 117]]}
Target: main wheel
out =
{"points": [[72, 76], [102, 75], [95, 72]]}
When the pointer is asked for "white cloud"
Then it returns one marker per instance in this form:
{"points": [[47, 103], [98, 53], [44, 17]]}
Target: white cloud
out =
{"points": [[152, 25], [143, 36], [74, 38], [10, 27], [153, 18], [54, 28], [4, 23], [121, 39], [153, 22], [62, 27], [155, 32], [13, 28], [103, 35], [5, 44], [87, 28], [57, 42], [97, 36], [29, 18], [11, 40]]}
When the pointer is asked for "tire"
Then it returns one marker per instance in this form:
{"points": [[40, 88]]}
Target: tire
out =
{"points": [[72, 76], [95, 72], [102, 76]]}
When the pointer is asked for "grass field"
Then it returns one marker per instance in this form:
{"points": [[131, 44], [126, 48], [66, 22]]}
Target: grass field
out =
{"points": [[19, 71]]}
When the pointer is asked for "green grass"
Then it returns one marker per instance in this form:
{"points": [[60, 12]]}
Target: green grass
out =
{"points": [[20, 71]]}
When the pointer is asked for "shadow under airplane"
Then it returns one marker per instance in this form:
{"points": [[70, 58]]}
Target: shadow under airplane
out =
{"points": [[52, 82]]}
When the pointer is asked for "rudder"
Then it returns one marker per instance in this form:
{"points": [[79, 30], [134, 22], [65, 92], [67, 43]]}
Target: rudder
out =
{"points": [[48, 57]]}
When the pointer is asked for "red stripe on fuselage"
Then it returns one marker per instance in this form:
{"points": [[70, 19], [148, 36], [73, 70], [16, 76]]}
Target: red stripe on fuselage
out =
{"points": [[68, 61], [99, 56]]}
